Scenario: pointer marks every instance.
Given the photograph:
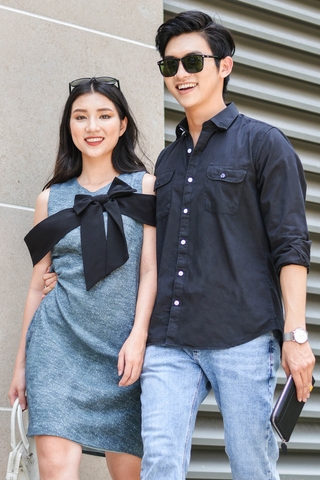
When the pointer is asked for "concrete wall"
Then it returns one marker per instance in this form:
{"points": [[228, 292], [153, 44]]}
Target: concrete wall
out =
{"points": [[44, 45]]}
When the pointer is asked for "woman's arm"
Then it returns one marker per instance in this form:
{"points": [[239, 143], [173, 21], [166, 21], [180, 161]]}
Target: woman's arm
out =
{"points": [[132, 352], [18, 383], [297, 359]]}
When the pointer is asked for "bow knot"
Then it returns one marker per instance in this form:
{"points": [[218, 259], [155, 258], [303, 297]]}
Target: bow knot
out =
{"points": [[117, 189], [81, 202], [101, 253], [100, 257]]}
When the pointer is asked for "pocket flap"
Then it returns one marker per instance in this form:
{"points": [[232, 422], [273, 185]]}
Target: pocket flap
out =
{"points": [[163, 179], [225, 173]]}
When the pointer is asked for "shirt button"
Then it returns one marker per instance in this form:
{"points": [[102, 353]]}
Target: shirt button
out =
{"points": [[183, 242], [190, 179], [185, 210], [222, 175], [189, 150], [176, 302], [180, 273]]}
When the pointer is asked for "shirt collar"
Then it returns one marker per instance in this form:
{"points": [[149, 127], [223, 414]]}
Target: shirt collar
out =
{"points": [[222, 120]]}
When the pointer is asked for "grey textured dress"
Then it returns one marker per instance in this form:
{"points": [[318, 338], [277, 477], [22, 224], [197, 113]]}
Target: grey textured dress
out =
{"points": [[74, 339]]}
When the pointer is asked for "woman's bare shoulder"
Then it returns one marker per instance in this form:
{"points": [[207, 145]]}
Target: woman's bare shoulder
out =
{"points": [[148, 184], [41, 210]]}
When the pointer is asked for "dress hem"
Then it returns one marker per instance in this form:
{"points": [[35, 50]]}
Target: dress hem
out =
{"points": [[95, 449]]}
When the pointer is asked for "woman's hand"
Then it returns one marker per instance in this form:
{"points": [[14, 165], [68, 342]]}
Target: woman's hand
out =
{"points": [[130, 358], [18, 387]]}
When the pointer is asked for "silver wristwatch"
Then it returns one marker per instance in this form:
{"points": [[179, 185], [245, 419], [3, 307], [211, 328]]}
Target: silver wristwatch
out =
{"points": [[299, 335]]}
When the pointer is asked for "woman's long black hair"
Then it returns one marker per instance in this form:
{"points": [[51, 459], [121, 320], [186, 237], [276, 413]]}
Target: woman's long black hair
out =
{"points": [[69, 159]]}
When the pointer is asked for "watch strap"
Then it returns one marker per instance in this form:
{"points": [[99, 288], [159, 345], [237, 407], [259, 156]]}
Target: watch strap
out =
{"points": [[288, 336]]}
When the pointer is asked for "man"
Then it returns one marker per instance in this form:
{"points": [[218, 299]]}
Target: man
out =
{"points": [[232, 243]]}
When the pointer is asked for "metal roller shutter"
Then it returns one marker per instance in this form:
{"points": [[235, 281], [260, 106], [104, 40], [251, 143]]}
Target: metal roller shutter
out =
{"points": [[276, 78]]}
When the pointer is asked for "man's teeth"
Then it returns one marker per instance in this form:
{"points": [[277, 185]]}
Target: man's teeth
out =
{"points": [[97, 139], [186, 85]]}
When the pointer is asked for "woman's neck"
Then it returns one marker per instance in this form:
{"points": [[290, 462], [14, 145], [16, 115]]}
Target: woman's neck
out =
{"points": [[96, 174]]}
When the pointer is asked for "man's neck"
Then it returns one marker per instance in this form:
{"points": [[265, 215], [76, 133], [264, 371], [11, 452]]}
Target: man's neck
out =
{"points": [[197, 116]]}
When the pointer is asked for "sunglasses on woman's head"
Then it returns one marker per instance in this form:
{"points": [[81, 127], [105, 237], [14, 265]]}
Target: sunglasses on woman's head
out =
{"points": [[192, 63], [81, 81]]}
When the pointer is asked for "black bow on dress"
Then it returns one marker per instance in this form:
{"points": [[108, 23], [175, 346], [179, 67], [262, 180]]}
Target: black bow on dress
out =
{"points": [[101, 255]]}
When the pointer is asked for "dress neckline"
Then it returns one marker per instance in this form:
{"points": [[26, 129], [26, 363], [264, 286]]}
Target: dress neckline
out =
{"points": [[99, 189]]}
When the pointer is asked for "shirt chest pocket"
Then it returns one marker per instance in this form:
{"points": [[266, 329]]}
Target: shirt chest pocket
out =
{"points": [[223, 188], [163, 188]]}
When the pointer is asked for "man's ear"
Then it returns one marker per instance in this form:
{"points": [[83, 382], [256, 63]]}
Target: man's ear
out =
{"points": [[226, 65]]}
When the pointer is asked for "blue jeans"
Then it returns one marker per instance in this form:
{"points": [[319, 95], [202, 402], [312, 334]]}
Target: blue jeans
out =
{"points": [[175, 381]]}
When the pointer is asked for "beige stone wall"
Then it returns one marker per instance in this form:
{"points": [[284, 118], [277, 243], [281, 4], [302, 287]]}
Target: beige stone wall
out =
{"points": [[44, 45]]}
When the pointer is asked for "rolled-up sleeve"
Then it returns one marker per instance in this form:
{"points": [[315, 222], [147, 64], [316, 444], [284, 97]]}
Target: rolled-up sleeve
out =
{"points": [[282, 186]]}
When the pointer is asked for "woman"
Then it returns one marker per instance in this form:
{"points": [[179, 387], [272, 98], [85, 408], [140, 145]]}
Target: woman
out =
{"points": [[82, 347]]}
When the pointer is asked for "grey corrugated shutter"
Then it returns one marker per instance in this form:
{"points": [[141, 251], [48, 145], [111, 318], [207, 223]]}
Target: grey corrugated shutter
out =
{"points": [[276, 78]]}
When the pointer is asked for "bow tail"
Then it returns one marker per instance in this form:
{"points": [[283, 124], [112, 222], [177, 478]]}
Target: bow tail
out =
{"points": [[117, 250], [93, 243]]}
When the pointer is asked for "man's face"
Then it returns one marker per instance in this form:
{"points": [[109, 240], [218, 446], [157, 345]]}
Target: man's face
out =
{"points": [[194, 90]]}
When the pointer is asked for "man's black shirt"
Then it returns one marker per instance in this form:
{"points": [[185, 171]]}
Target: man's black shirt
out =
{"points": [[230, 215]]}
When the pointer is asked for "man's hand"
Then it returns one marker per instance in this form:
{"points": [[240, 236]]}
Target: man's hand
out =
{"points": [[298, 360], [50, 280]]}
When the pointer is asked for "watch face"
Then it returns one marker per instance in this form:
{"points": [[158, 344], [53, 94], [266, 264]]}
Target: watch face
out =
{"points": [[300, 335]]}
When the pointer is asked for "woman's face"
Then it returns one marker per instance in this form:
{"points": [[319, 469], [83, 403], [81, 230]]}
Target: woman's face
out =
{"points": [[95, 125]]}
